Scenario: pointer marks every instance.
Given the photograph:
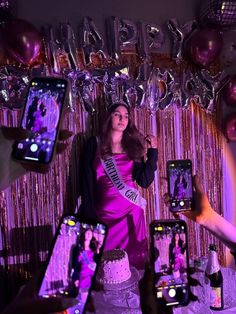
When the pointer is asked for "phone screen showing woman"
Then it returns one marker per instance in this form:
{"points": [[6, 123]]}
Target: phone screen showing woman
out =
{"points": [[42, 114], [170, 262], [180, 185], [73, 261]]}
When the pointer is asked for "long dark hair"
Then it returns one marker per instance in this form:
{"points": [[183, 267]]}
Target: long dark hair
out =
{"points": [[177, 181], [172, 245], [82, 240], [132, 140], [180, 241]]}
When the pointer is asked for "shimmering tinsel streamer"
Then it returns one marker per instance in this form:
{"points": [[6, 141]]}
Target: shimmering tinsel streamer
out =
{"points": [[194, 136]]}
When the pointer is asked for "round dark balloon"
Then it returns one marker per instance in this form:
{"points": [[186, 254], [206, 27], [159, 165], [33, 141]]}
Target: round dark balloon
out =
{"points": [[230, 127], [205, 46], [22, 41], [229, 92]]}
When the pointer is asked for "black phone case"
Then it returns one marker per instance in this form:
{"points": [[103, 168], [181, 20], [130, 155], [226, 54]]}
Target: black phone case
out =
{"points": [[98, 259], [168, 222], [15, 149], [179, 161]]}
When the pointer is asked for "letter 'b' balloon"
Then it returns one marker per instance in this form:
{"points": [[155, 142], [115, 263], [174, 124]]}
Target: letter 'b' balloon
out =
{"points": [[205, 46], [23, 41]]}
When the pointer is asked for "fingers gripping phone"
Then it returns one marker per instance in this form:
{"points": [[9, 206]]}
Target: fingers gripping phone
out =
{"points": [[42, 116], [169, 250], [73, 261], [180, 185]]}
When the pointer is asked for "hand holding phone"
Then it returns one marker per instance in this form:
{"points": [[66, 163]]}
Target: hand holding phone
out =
{"points": [[42, 117], [180, 185], [148, 301], [74, 260], [202, 209], [27, 301], [169, 250]]}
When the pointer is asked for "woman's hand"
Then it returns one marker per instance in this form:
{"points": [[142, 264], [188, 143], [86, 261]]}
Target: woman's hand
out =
{"points": [[202, 209], [148, 300], [203, 214], [151, 140], [149, 303], [27, 301], [16, 133]]}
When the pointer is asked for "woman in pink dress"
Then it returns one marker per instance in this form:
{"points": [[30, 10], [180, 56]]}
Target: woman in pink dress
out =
{"points": [[176, 254], [180, 187], [85, 265], [38, 118], [111, 163]]}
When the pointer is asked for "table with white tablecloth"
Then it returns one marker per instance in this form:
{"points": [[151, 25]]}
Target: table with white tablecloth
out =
{"points": [[203, 293], [127, 301]]}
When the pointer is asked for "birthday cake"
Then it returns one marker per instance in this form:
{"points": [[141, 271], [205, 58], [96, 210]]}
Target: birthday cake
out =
{"points": [[114, 267]]}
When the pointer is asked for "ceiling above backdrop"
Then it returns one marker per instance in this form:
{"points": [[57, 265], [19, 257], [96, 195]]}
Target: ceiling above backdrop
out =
{"points": [[53, 11]]}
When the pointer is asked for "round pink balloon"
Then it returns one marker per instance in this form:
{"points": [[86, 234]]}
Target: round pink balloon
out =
{"points": [[230, 128], [205, 46], [23, 41], [229, 93]]}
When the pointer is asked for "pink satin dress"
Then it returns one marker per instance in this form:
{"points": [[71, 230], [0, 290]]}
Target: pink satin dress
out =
{"points": [[125, 220], [86, 271]]}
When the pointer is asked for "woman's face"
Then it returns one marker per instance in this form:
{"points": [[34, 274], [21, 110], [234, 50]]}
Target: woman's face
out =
{"points": [[88, 235], [176, 237], [119, 119]]}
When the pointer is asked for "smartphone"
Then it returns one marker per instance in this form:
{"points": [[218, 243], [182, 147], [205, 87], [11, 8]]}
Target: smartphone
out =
{"points": [[42, 115], [73, 260], [169, 248], [180, 185]]}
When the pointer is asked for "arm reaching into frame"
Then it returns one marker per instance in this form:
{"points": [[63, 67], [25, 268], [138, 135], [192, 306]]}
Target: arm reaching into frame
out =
{"points": [[207, 217], [10, 170]]}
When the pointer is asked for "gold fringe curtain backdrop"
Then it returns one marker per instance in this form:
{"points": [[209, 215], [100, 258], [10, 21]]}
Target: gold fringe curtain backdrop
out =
{"points": [[190, 134], [31, 207], [186, 134]]}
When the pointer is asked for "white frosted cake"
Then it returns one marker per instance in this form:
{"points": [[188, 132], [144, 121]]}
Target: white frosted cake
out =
{"points": [[114, 267]]}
